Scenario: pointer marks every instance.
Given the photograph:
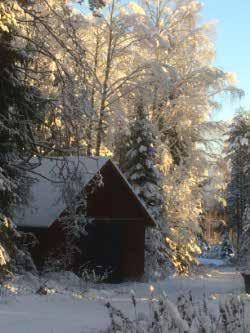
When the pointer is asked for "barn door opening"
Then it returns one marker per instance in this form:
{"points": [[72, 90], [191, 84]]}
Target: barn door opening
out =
{"points": [[133, 250], [102, 249]]}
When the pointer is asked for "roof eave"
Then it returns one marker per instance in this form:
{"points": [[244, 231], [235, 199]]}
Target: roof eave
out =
{"points": [[150, 219]]}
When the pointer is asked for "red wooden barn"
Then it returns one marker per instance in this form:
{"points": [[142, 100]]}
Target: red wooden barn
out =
{"points": [[116, 235]]}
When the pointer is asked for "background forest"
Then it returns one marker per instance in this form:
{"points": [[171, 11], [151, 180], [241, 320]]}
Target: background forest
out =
{"points": [[134, 81]]}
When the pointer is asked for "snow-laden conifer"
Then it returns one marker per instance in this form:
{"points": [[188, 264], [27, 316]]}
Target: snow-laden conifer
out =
{"points": [[140, 163], [140, 166], [239, 184], [244, 249]]}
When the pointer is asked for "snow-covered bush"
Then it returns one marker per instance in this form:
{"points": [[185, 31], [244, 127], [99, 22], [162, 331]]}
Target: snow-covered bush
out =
{"points": [[54, 262], [227, 250], [223, 250], [186, 317], [219, 251], [163, 316], [61, 280], [232, 315], [212, 252], [157, 266], [7, 247], [186, 308], [91, 275], [14, 249]]}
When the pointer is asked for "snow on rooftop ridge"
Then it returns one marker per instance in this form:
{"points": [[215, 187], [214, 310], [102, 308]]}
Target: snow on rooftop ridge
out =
{"points": [[45, 202], [136, 195], [50, 167]]}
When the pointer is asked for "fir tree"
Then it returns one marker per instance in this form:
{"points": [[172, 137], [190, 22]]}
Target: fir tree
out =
{"points": [[238, 192], [20, 109], [141, 171], [244, 250], [243, 261], [140, 161]]}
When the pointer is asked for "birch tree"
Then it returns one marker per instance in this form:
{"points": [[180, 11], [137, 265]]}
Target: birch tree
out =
{"points": [[179, 85], [110, 44]]}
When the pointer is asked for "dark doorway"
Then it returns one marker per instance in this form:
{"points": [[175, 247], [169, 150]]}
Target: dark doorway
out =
{"points": [[102, 249], [133, 250]]}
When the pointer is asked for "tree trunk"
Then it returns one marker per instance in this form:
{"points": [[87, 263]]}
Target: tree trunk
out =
{"points": [[105, 83], [89, 138], [100, 131], [91, 123]]}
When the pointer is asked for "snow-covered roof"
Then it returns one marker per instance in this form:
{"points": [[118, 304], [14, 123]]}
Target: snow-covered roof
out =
{"points": [[45, 202]]}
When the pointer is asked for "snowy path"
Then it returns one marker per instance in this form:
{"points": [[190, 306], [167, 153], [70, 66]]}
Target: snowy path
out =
{"points": [[64, 313]]}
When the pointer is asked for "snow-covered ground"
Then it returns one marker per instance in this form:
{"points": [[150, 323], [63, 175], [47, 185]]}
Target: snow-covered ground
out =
{"points": [[69, 308], [212, 262]]}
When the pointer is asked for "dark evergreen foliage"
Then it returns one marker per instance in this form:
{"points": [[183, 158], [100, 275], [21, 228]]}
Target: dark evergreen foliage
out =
{"points": [[139, 163], [239, 186], [140, 160], [21, 106]]}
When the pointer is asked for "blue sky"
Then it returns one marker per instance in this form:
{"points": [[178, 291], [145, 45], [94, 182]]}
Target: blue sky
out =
{"points": [[232, 45]]}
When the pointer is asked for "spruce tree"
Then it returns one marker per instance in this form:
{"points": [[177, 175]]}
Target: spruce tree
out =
{"points": [[21, 106], [141, 171], [238, 193], [20, 109], [244, 249], [140, 161]]}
